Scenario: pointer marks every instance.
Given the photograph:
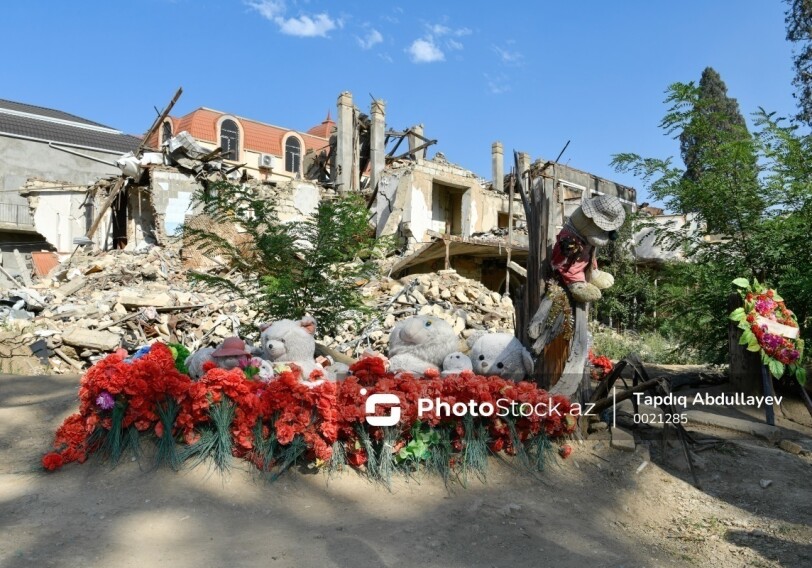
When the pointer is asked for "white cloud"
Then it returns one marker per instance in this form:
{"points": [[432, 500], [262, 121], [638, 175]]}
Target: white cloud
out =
{"points": [[509, 57], [453, 44], [304, 25], [498, 84], [441, 30], [372, 38], [424, 50], [269, 9]]}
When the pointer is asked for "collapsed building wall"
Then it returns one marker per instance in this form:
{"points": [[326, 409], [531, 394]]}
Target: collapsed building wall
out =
{"points": [[416, 198]]}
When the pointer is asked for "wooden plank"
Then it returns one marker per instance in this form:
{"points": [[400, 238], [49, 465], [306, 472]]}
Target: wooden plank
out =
{"points": [[12, 281], [521, 271]]}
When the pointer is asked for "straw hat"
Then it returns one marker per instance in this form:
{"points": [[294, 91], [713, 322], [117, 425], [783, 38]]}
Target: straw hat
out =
{"points": [[605, 210]]}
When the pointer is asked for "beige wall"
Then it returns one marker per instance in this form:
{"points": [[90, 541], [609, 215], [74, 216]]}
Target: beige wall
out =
{"points": [[434, 195], [251, 161]]}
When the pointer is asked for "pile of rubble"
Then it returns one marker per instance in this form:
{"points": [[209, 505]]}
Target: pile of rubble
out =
{"points": [[467, 305], [94, 303]]}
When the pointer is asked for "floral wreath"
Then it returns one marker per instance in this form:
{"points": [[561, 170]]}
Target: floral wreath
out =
{"points": [[770, 328]]}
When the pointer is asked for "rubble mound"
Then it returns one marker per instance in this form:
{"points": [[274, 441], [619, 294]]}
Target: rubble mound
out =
{"points": [[95, 302], [467, 305]]}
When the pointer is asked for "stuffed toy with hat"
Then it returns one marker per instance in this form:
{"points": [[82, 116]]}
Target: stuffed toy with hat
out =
{"points": [[290, 341], [420, 343], [228, 355], [593, 224], [500, 354], [455, 363]]}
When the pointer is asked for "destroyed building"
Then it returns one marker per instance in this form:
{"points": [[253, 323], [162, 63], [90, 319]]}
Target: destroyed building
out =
{"points": [[64, 153]]}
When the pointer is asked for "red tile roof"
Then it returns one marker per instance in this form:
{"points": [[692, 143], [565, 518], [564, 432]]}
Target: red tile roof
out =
{"points": [[325, 129], [44, 262], [257, 136]]}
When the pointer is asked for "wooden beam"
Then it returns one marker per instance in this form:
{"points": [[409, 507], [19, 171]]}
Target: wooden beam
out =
{"points": [[105, 206], [521, 271]]}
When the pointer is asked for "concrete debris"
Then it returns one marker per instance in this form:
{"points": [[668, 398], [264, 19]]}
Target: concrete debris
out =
{"points": [[96, 302], [790, 446], [467, 305]]}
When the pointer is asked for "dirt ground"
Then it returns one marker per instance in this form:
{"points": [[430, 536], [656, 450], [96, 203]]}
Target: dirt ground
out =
{"points": [[597, 508]]}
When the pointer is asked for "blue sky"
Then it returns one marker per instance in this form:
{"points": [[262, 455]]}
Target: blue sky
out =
{"points": [[530, 74]]}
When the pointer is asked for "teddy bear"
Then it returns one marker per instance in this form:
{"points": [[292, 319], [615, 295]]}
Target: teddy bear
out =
{"points": [[501, 354], [456, 362], [289, 341], [593, 224], [195, 362], [420, 343]]}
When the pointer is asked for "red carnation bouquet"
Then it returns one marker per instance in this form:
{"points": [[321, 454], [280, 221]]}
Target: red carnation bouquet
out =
{"points": [[321, 423]]}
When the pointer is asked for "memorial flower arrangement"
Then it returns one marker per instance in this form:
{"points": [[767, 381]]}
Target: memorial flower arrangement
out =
{"points": [[275, 424], [770, 328]]}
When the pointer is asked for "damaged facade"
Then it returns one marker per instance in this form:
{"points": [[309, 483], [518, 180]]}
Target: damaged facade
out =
{"points": [[61, 154]]}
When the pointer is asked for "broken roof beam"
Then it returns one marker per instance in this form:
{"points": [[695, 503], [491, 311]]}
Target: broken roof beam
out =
{"points": [[411, 151]]}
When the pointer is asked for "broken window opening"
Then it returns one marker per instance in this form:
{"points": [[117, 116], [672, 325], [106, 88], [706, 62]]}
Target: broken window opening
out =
{"points": [[229, 139], [166, 132], [293, 153], [446, 208], [119, 219]]}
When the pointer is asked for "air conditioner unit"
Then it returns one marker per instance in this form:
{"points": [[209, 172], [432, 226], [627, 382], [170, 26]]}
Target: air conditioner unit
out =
{"points": [[268, 161]]}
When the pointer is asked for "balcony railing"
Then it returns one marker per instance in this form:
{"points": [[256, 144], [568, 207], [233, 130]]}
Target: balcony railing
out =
{"points": [[16, 214]]}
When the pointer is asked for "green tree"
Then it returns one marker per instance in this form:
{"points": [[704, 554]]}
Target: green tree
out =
{"points": [[631, 302], [715, 120], [799, 31], [742, 225], [315, 266]]}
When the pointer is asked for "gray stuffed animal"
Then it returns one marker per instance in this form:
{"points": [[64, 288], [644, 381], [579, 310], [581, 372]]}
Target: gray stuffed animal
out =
{"points": [[195, 361], [420, 343], [288, 341], [456, 362], [501, 354]]}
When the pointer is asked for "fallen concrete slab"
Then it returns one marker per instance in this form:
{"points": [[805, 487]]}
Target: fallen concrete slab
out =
{"points": [[769, 433]]}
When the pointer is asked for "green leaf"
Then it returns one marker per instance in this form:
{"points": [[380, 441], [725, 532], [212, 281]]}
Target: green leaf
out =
{"points": [[741, 283], [800, 375], [776, 368], [737, 314], [747, 337], [776, 297], [754, 346]]}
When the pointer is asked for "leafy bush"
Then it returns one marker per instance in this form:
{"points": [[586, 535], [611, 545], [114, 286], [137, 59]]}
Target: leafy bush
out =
{"points": [[315, 266], [651, 346]]}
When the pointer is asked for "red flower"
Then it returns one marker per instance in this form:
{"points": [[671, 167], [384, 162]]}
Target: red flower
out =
{"points": [[565, 451], [52, 461]]}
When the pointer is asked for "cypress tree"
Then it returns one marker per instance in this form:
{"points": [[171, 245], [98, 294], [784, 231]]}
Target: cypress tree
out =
{"points": [[799, 31]]}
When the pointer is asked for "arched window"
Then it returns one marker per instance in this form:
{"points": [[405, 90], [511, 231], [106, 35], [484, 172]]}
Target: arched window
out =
{"points": [[166, 132], [293, 154], [230, 139]]}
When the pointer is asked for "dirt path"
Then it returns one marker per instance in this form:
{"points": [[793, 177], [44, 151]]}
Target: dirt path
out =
{"points": [[590, 510]]}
